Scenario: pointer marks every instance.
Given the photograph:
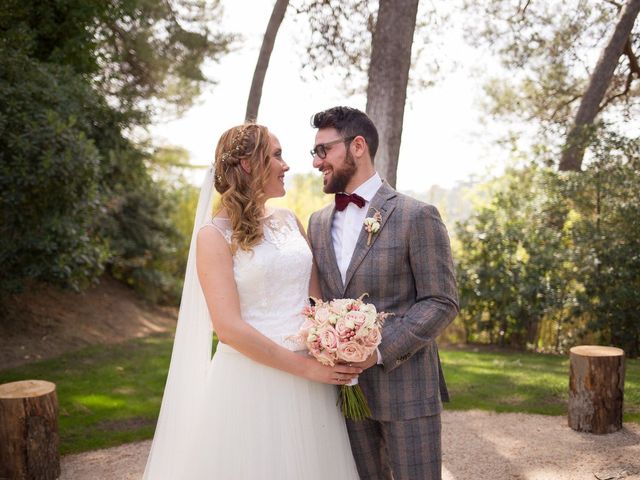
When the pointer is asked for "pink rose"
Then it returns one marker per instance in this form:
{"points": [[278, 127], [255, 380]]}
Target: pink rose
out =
{"points": [[325, 357], [351, 352], [358, 318], [322, 315], [372, 339], [328, 338], [344, 330]]}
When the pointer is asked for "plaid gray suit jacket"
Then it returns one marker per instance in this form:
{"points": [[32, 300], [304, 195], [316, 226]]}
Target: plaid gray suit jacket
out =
{"points": [[407, 270]]}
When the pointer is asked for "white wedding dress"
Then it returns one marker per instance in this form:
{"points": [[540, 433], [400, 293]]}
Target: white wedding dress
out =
{"points": [[258, 422]]}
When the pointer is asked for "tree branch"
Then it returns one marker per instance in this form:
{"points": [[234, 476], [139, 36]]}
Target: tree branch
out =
{"points": [[615, 4], [578, 136], [565, 104], [522, 10], [627, 87], [633, 60], [634, 68]]}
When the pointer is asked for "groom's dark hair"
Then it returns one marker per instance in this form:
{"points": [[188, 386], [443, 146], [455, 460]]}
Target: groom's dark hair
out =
{"points": [[349, 122]]}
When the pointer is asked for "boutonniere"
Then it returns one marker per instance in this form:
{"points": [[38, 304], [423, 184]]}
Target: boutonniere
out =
{"points": [[372, 225]]}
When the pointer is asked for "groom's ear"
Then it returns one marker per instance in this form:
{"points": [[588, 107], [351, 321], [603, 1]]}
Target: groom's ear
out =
{"points": [[244, 163], [359, 146]]}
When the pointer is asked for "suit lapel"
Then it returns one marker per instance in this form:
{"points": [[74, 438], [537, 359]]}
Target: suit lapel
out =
{"points": [[381, 203], [333, 272]]}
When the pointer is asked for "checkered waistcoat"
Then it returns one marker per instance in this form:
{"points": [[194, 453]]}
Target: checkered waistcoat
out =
{"points": [[407, 270]]}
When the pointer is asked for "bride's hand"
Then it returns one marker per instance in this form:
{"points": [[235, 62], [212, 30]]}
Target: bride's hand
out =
{"points": [[340, 374]]}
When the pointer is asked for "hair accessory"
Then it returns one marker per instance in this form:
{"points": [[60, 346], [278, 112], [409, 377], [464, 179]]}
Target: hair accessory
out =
{"points": [[235, 146]]}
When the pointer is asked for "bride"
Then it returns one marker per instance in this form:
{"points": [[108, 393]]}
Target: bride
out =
{"points": [[261, 408]]}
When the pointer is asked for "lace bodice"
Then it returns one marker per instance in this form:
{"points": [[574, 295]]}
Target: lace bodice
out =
{"points": [[273, 278]]}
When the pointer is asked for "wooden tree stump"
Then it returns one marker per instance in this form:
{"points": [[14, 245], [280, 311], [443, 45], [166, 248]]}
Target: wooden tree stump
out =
{"points": [[29, 437], [596, 388]]}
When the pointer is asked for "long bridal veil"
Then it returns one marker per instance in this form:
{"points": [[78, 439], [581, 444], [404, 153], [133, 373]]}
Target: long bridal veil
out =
{"points": [[190, 358]]}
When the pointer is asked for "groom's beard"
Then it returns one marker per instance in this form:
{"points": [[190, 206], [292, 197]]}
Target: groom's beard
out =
{"points": [[340, 178]]}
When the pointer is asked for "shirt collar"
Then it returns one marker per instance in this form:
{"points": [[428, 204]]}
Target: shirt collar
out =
{"points": [[369, 188]]}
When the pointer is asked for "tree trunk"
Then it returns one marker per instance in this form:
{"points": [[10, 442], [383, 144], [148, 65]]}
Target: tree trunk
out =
{"points": [[388, 77], [29, 431], [578, 136], [255, 93], [596, 389]]}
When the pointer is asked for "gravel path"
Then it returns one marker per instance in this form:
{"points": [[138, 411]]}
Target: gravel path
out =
{"points": [[477, 445]]}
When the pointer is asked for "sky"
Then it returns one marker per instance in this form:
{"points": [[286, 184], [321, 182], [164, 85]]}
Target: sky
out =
{"points": [[444, 139]]}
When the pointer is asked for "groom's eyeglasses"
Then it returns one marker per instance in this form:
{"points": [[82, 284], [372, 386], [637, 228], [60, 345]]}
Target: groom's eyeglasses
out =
{"points": [[321, 149]]}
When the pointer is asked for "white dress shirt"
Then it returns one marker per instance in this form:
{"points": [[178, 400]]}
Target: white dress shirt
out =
{"points": [[348, 224]]}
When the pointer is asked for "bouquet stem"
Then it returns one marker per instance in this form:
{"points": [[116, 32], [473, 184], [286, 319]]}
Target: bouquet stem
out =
{"points": [[353, 403]]}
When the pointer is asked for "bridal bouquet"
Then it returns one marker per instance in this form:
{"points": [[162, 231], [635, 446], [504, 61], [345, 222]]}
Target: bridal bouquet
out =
{"points": [[343, 330]]}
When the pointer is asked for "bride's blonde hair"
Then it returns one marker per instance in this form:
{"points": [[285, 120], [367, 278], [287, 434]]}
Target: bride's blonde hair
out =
{"points": [[243, 192]]}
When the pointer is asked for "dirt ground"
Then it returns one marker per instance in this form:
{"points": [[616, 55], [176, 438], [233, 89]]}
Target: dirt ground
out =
{"points": [[477, 445], [45, 322]]}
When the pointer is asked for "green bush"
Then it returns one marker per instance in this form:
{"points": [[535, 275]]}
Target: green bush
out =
{"points": [[552, 258], [78, 195], [49, 175], [606, 236]]}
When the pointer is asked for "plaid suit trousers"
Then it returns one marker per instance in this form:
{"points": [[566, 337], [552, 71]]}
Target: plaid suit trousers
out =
{"points": [[400, 445]]}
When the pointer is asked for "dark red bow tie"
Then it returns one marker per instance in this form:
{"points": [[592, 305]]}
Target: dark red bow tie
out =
{"points": [[343, 199]]}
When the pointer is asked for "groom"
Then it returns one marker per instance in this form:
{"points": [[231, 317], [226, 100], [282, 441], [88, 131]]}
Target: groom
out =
{"points": [[406, 269]]}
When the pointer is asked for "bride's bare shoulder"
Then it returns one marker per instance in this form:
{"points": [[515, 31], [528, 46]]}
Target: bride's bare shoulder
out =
{"points": [[213, 238]]}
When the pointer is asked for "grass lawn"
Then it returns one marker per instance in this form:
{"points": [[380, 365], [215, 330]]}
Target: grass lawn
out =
{"points": [[521, 382], [110, 395]]}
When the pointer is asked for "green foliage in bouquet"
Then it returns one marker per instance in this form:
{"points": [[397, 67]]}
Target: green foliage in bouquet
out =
{"points": [[353, 403]]}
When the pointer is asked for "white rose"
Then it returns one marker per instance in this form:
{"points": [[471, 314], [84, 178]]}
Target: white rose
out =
{"points": [[372, 225], [370, 314], [368, 308], [339, 306]]}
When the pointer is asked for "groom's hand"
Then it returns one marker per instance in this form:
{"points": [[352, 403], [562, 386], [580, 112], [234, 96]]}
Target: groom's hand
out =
{"points": [[369, 362]]}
